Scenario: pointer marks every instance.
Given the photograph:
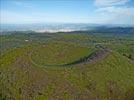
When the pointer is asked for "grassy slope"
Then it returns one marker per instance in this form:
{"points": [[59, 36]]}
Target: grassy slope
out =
{"points": [[110, 77]]}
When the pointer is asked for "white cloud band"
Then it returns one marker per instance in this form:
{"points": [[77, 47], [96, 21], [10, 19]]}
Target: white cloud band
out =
{"points": [[110, 2]]}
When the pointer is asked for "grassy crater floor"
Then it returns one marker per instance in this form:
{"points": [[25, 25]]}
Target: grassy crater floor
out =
{"points": [[58, 53]]}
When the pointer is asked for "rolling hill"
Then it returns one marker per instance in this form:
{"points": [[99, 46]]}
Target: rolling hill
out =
{"points": [[34, 69]]}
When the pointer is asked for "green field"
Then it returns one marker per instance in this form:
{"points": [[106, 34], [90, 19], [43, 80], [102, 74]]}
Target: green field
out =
{"points": [[98, 67], [58, 53]]}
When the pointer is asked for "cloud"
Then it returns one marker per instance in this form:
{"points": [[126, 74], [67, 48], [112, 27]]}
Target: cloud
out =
{"points": [[117, 10], [110, 2], [116, 15], [114, 11]]}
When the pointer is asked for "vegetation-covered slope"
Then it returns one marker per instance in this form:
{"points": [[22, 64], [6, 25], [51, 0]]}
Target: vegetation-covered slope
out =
{"points": [[111, 77]]}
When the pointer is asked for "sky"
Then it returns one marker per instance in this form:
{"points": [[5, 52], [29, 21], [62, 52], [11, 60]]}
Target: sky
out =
{"points": [[67, 11]]}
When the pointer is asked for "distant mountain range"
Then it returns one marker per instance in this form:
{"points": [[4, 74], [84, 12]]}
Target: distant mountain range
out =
{"points": [[68, 27]]}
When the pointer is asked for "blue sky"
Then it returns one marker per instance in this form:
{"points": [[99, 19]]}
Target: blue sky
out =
{"points": [[67, 11]]}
